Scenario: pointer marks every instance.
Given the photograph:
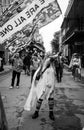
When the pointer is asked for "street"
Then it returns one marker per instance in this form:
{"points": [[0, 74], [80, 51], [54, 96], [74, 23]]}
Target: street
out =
{"points": [[68, 110]]}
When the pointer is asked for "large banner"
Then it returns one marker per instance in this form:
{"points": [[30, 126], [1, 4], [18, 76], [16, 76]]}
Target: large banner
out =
{"points": [[35, 11]]}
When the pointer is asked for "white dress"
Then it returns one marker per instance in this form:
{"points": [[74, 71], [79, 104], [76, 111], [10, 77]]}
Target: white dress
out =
{"points": [[43, 89]]}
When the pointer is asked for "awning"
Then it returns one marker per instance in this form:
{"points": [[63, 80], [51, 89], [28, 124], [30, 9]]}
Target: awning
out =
{"points": [[76, 36]]}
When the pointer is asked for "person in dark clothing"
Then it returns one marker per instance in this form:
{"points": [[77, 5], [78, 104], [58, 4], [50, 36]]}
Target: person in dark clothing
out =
{"points": [[26, 62], [16, 70], [59, 67]]}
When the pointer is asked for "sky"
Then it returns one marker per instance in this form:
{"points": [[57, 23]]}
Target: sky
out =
{"points": [[48, 30]]}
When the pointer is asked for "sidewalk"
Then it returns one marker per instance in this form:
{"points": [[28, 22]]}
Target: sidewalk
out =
{"points": [[7, 68]]}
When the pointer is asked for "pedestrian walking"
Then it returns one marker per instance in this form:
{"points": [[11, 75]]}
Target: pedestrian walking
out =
{"points": [[59, 67], [16, 70], [42, 89], [27, 61], [75, 63]]}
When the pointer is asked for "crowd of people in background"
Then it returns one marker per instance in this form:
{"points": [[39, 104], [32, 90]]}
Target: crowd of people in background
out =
{"points": [[30, 63]]}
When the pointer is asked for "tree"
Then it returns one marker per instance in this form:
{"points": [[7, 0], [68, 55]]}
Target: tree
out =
{"points": [[55, 45], [55, 42]]}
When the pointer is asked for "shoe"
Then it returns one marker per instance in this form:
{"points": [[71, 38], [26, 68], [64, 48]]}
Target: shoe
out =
{"points": [[11, 87], [51, 115], [17, 87], [35, 115]]}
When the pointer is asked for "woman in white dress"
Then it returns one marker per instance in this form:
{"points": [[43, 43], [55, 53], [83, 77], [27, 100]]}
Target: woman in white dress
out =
{"points": [[42, 89]]}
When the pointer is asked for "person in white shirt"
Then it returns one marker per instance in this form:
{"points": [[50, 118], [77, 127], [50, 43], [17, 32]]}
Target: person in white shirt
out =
{"points": [[17, 69], [75, 62], [43, 89]]}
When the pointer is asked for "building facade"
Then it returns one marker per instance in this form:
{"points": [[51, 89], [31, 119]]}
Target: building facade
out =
{"points": [[72, 29]]}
